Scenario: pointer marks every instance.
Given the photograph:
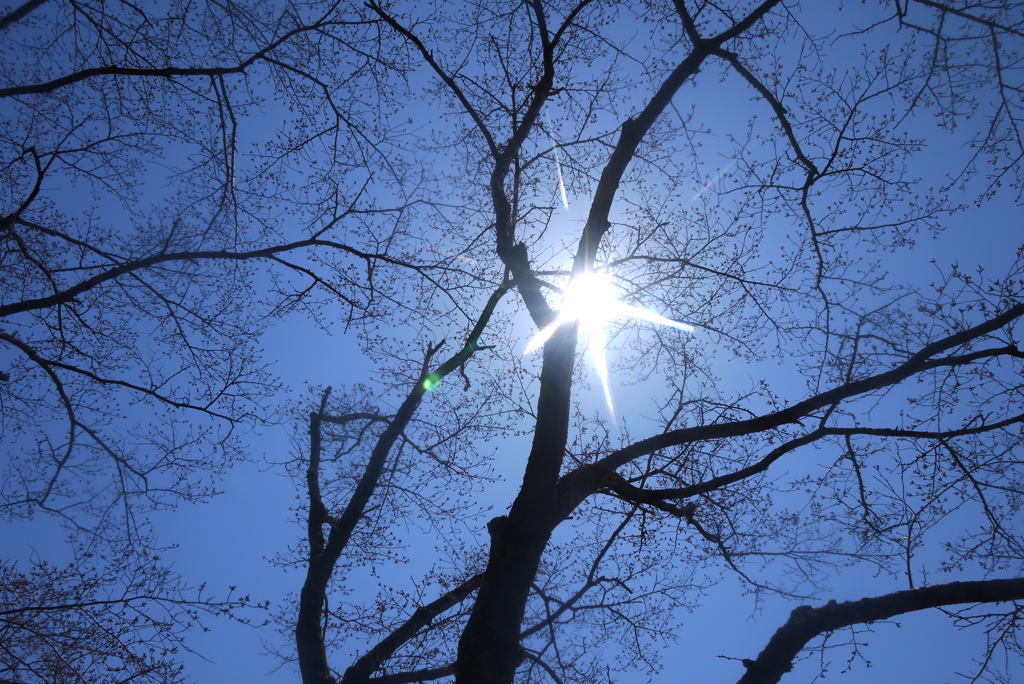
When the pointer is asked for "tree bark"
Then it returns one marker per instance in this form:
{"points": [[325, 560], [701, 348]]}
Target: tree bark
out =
{"points": [[324, 553], [368, 663], [806, 622], [489, 649], [19, 13]]}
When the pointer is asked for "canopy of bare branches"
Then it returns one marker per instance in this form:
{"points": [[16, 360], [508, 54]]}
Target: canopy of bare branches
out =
{"points": [[776, 389]]}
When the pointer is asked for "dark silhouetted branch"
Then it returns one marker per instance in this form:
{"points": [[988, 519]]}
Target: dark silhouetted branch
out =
{"points": [[806, 622]]}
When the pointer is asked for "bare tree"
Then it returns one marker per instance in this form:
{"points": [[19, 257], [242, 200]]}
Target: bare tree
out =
{"points": [[906, 413], [99, 619], [110, 299], [457, 183], [150, 229]]}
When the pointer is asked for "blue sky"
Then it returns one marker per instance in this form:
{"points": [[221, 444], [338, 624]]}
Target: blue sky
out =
{"points": [[253, 520], [231, 540]]}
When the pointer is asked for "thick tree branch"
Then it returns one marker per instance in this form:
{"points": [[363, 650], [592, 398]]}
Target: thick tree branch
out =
{"points": [[158, 72], [635, 129], [513, 255], [428, 57], [308, 632], [318, 515], [806, 622], [51, 364], [969, 17], [123, 601], [917, 363], [93, 72], [640, 496], [781, 115], [426, 675], [585, 480], [19, 13], [359, 672], [651, 496], [689, 25]]}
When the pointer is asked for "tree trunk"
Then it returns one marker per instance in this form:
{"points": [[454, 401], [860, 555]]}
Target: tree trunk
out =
{"points": [[489, 650]]}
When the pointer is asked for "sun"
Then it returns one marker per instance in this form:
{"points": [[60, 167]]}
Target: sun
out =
{"points": [[592, 301]]}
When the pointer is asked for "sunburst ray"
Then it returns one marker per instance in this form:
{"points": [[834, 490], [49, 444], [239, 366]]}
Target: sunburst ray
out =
{"points": [[591, 300]]}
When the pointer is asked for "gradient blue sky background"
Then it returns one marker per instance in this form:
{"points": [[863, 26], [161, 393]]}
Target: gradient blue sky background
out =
{"points": [[230, 540]]}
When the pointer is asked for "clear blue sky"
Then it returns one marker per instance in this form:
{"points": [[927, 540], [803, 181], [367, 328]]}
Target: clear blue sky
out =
{"points": [[229, 541]]}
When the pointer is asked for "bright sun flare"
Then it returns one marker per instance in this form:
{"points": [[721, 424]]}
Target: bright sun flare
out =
{"points": [[592, 301]]}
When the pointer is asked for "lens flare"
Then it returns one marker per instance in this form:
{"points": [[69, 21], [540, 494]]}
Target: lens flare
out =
{"points": [[591, 300], [561, 180], [711, 183], [558, 164]]}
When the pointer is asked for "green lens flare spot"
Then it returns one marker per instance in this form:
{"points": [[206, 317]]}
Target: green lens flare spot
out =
{"points": [[430, 381]]}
